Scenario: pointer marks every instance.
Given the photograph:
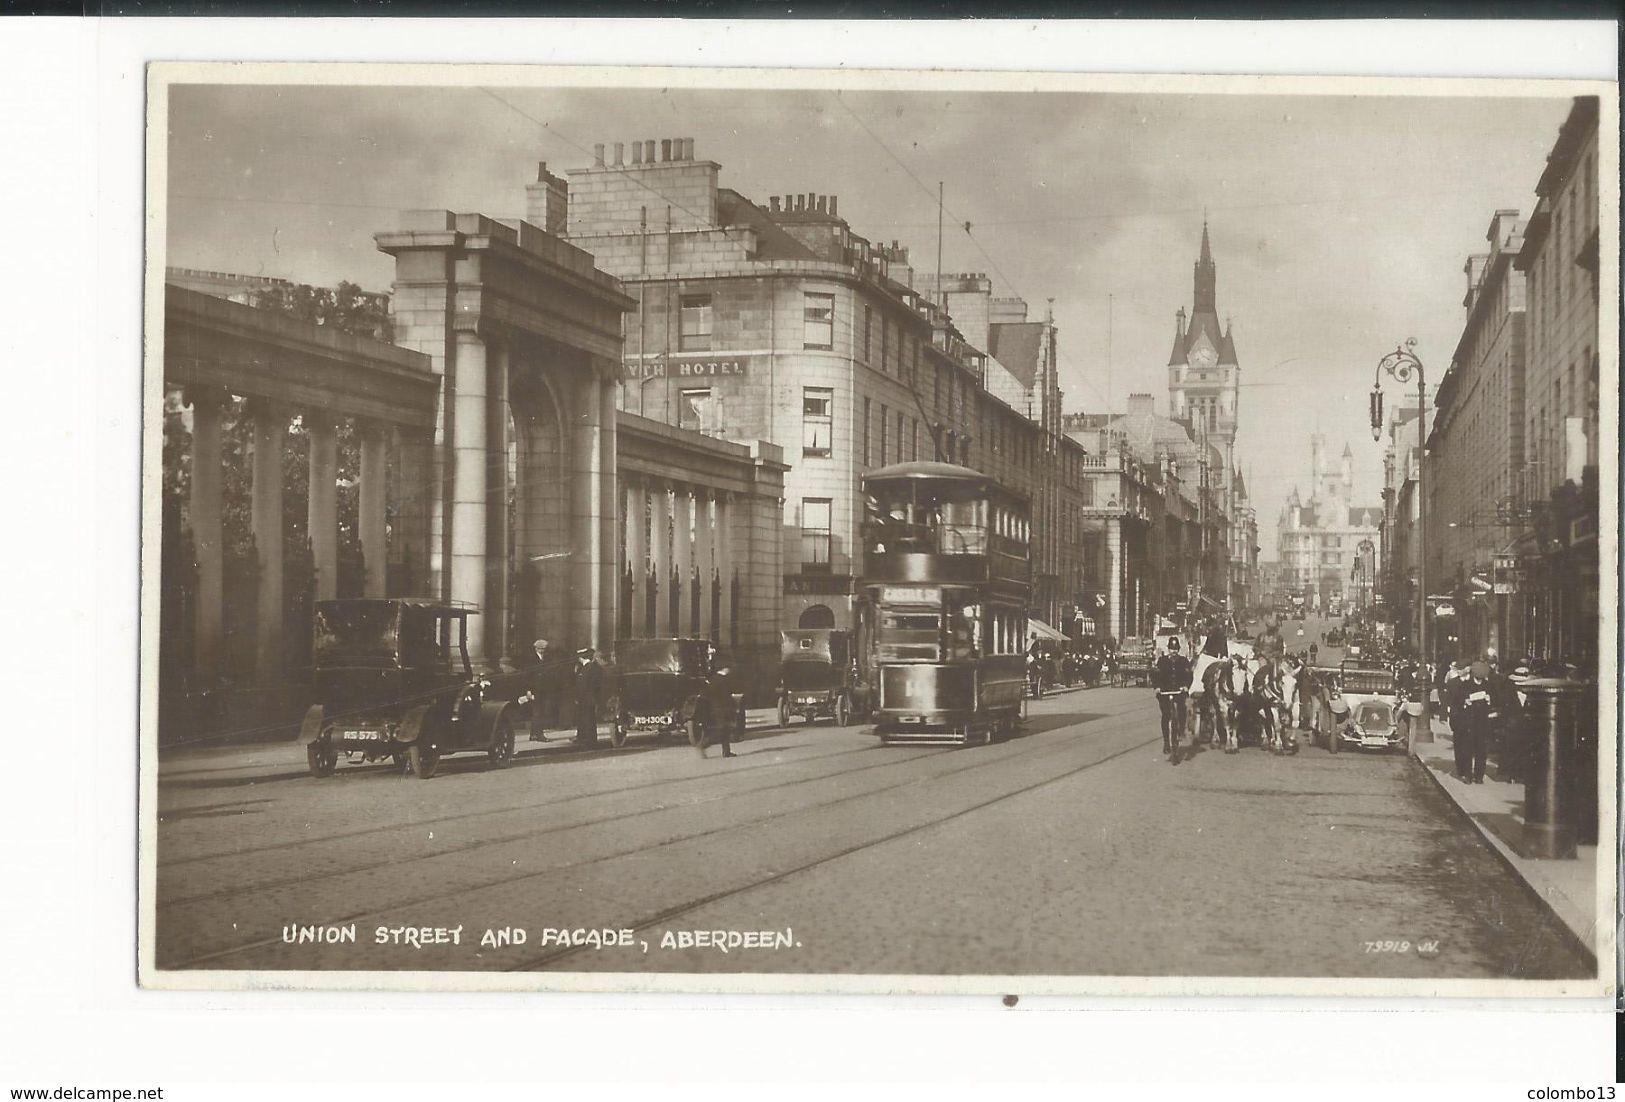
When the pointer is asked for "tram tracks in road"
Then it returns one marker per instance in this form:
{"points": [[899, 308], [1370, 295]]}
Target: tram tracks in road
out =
{"points": [[557, 828], [669, 913], [395, 827], [979, 761]]}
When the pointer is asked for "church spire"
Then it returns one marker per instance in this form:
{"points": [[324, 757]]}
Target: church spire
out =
{"points": [[1207, 279]]}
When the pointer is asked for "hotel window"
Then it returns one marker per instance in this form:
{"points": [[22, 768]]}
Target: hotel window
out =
{"points": [[885, 345], [818, 328], [694, 334], [883, 423], [899, 436], [914, 442], [866, 458], [817, 404], [692, 408], [868, 334], [815, 535]]}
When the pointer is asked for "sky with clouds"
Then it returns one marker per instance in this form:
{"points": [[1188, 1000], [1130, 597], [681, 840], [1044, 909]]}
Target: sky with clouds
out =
{"points": [[1339, 224]]}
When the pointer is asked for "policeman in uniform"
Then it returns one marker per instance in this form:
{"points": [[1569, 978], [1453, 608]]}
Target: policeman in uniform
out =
{"points": [[1172, 677]]}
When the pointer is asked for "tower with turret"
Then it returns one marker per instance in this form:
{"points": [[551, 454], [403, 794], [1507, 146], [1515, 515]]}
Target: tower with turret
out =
{"points": [[1204, 378]]}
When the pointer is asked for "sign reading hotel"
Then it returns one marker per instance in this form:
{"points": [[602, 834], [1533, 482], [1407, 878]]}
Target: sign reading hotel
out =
{"points": [[687, 365]]}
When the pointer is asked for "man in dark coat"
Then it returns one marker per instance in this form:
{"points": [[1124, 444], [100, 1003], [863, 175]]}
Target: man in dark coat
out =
{"points": [[1472, 719], [589, 679], [1172, 678]]}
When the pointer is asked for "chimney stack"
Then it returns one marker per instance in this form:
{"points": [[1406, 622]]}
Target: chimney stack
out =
{"points": [[688, 149], [832, 206], [620, 150], [773, 204], [665, 149], [598, 155], [637, 153], [649, 151]]}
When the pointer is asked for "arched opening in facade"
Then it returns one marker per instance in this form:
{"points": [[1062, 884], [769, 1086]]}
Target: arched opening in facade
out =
{"points": [[816, 616], [539, 548]]}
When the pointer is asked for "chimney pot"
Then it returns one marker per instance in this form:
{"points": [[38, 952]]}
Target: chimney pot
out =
{"points": [[598, 155], [665, 149], [541, 171], [649, 150], [832, 206], [773, 204], [637, 153], [620, 150], [688, 149]]}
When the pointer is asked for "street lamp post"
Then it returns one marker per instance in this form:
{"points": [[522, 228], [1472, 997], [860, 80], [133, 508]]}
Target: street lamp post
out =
{"points": [[1401, 364]]}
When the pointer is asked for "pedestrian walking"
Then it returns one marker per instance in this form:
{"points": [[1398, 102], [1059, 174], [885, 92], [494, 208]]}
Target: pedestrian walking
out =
{"points": [[719, 705], [1511, 733], [1472, 714], [589, 679], [540, 696]]}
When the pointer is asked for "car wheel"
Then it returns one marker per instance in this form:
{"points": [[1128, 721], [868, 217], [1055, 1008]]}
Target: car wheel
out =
{"points": [[696, 733], [842, 715], [423, 760], [784, 712], [501, 750], [322, 757], [617, 735]]}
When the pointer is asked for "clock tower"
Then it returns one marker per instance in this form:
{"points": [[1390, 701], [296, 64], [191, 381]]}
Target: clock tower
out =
{"points": [[1204, 378]]}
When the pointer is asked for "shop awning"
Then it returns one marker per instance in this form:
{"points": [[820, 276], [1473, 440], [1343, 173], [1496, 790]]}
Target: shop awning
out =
{"points": [[1043, 631]]}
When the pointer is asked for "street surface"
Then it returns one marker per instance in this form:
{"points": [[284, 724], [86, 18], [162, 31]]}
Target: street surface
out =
{"points": [[1073, 850]]}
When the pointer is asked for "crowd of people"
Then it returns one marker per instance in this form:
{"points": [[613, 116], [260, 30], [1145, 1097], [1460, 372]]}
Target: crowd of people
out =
{"points": [[1225, 694]]}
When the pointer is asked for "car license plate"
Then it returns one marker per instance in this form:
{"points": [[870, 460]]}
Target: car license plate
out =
{"points": [[357, 735], [1374, 740], [653, 721]]}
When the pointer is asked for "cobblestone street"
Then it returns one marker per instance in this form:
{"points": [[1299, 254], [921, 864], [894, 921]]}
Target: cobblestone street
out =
{"points": [[1073, 850]]}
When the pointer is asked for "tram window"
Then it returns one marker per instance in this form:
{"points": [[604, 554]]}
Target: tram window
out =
{"points": [[962, 530], [961, 618]]}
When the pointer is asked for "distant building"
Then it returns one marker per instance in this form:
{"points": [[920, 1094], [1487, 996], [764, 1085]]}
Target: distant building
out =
{"points": [[1328, 545]]}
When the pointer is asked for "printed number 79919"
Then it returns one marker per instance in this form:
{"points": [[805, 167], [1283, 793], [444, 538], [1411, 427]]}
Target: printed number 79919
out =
{"points": [[1401, 946]]}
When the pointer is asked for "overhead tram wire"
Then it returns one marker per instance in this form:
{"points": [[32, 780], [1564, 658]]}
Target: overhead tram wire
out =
{"points": [[966, 226]]}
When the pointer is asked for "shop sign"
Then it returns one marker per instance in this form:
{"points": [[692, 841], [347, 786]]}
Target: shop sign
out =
{"points": [[687, 366]]}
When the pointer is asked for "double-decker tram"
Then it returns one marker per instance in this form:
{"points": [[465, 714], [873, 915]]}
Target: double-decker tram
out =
{"points": [[946, 580]]}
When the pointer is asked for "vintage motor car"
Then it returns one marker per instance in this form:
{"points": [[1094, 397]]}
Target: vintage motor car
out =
{"points": [[1134, 658], [666, 686], [818, 677], [394, 681], [1366, 710]]}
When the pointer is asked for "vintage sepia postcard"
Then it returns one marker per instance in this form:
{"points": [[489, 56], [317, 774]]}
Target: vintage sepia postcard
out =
{"points": [[901, 532]]}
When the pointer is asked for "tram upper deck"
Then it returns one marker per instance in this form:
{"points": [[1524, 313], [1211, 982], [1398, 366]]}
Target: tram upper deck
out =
{"points": [[940, 523]]}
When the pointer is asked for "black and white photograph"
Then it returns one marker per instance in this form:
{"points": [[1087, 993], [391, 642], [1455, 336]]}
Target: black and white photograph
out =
{"points": [[730, 530]]}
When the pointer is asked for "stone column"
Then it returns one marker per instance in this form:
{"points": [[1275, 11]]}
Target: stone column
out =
{"points": [[204, 514], [372, 518], [660, 556], [1114, 561], [609, 488], [683, 555], [467, 507], [495, 625], [725, 564], [270, 436], [323, 513], [704, 541], [636, 550], [414, 492], [586, 504]]}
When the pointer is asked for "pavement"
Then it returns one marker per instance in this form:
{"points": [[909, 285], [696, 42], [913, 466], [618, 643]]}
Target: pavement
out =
{"points": [[1567, 886]]}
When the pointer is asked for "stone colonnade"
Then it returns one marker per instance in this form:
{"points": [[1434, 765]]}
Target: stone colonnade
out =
{"points": [[270, 420], [682, 549]]}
